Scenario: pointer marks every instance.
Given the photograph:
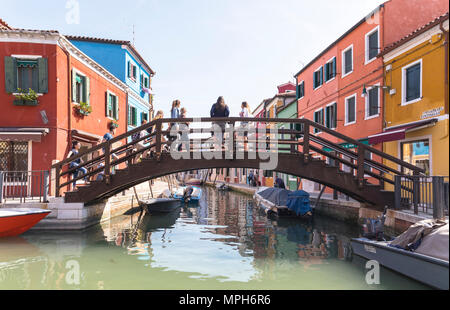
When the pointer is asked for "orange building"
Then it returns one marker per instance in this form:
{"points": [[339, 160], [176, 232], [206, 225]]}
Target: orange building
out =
{"points": [[46, 80], [342, 87]]}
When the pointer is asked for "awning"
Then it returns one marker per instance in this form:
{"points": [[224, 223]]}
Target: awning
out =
{"points": [[399, 132], [22, 134], [84, 136]]}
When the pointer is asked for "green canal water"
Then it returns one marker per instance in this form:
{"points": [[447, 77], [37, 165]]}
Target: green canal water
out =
{"points": [[224, 242]]}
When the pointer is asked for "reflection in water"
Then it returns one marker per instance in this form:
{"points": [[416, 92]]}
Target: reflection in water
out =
{"points": [[223, 242]]}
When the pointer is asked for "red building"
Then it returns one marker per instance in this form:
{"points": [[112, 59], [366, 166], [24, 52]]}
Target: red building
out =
{"points": [[342, 87], [37, 130]]}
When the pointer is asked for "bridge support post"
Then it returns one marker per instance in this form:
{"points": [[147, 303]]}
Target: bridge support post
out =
{"points": [[360, 164], [398, 191], [107, 163], [416, 192], [306, 143], [158, 134]]}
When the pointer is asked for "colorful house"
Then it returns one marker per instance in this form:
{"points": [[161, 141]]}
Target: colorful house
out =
{"points": [[343, 87], [289, 110], [417, 106], [123, 60], [52, 94]]}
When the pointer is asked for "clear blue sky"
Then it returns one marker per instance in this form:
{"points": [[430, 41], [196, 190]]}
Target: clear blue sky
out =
{"points": [[201, 49]]}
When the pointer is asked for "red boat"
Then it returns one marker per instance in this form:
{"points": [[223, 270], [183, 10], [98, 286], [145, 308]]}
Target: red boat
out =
{"points": [[15, 221]]}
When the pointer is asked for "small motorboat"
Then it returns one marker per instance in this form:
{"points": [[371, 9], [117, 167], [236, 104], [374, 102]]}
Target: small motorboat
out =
{"points": [[160, 205], [15, 221], [194, 181], [188, 193], [283, 202], [420, 253], [223, 187]]}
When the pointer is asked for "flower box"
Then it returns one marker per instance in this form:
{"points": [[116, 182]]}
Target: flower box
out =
{"points": [[25, 102]]}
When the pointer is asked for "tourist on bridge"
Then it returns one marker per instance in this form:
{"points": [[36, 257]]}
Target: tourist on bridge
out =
{"points": [[245, 113], [108, 136], [183, 114], [76, 163], [250, 178], [174, 113], [140, 144], [219, 109]]}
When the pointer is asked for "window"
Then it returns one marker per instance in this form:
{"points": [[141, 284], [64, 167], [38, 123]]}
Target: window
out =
{"points": [[301, 90], [412, 82], [318, 118], [144, 116], [372, 45], [417, 153], [146, 82], [112, 106], [80, 87], [331, 116], [318, 78], [347, 61], [13, 155], [26, 73], [132, 116], [132, 71], [330, 69], [350, 110], [372, 102]]}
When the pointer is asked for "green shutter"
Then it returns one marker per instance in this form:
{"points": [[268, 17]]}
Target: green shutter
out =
{"points": [[134, 116], [129, 69], [10, 74], [116, 108], [107, 103], [327, 77], [314, 80], [334, 66], [321, 76], [74, 85], [129, 115], [87, 90], [43, 75]]}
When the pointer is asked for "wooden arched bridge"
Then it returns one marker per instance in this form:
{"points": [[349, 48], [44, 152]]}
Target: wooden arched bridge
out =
{"points": [[300, 151]]}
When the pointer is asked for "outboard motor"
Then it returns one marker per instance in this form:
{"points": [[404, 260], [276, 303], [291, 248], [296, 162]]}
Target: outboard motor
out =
{"points": [[187, 193], [374, 228]]}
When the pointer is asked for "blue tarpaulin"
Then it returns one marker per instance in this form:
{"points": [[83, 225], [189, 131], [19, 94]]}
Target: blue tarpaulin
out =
{"points": [[297, 201]]}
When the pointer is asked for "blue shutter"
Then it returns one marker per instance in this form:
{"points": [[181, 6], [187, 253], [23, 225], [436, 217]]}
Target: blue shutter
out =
{"points": [[334, 67], [327, 73], [314, 80]]}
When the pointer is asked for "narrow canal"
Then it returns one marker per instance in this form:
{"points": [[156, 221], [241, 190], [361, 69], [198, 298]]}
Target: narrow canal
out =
{"points": [[224, 242]]}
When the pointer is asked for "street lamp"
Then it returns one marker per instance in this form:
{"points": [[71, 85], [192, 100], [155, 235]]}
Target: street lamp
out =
{"points": [[364, 91]]}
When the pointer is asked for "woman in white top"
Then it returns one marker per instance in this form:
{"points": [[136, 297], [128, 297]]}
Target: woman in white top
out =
{"points": [[245, 112]]}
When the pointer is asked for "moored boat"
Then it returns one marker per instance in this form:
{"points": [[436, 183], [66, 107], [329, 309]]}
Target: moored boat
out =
{"points": [[194, 181], [420, 253], [283, 202], [188, 193], [15, 221], [161, 205]]}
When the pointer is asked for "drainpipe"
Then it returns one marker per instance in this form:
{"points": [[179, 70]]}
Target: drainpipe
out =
{"points": [[441, 27], [69, 97]]}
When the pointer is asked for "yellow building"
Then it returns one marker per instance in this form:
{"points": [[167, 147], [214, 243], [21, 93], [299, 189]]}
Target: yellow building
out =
{"points": [[416, 98]]}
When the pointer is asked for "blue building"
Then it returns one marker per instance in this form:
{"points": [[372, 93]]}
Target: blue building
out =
{"points": [[123, 60]]}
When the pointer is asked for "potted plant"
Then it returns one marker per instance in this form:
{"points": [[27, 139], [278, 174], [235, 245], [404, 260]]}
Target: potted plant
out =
{"points": [[114, 123], [24, 97], [83, 109]]}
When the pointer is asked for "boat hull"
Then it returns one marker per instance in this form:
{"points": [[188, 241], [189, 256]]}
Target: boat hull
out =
{"points": [[14, 222], [272, 209], [426, 269], [161, 205], [195, 197]]}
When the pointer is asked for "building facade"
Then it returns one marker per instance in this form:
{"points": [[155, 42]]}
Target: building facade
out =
{"points": [[123, 60], [417, 106], [52, 94], [343, 87]]}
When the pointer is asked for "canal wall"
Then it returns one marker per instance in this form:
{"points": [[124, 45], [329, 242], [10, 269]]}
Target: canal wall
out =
{"points": [[350, 211], [77, 216]]}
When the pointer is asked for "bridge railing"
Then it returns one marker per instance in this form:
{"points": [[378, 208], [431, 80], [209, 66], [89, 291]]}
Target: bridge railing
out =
{"points": [[306, 139]]}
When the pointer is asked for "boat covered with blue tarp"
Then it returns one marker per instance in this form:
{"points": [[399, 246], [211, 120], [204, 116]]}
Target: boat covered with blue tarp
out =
{"points": [[276, 199]]}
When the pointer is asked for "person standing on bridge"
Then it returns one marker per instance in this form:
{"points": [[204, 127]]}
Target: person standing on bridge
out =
{"points": [[218, 110], [108, 136], [279, 183], [174, 113], [185, 126], [245, 112]]}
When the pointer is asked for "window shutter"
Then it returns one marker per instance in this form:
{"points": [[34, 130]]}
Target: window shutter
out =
{"points": [[334, 67], [135, 117], [87, 90], [314, 79], [129, 115], [43, 75], [116, 108], [327, 71], [321, 76], [74, 86], [107, 103], [10, 74], [129, 69]]}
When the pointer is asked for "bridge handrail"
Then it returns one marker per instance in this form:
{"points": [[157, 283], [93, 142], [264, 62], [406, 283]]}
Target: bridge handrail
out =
{"points": [[304, 134]]}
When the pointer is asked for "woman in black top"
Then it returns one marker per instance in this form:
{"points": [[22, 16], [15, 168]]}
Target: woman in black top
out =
{"points": [[219, 109]]}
